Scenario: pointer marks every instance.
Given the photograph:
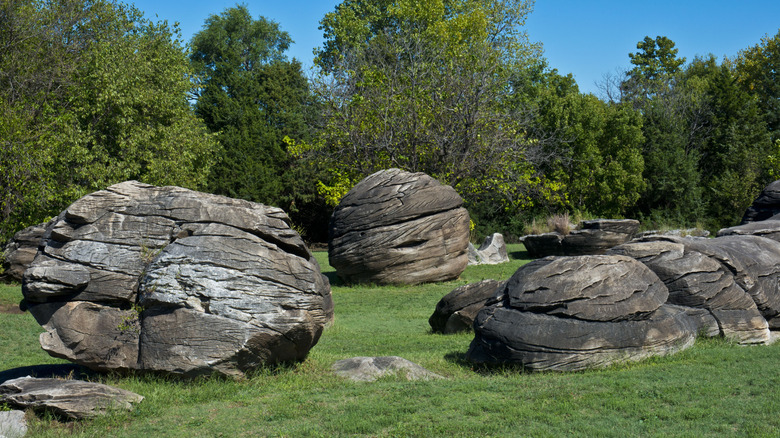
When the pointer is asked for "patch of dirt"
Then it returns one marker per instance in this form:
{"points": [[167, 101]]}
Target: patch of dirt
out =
{"points": [[12, 309]]}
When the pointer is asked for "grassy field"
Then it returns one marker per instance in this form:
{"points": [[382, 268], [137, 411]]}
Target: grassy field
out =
{"points": [[714, 388]]}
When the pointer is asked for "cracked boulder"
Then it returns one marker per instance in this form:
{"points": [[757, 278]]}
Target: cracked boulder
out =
{"points": [[575, 313], [20, 251], [396, 227], [165, 279], [696, 280]]}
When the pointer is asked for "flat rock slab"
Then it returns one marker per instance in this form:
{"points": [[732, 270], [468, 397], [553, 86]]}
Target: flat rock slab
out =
{"points": [[165, 279], [397, 227], [73, 399], [12, 424], [456, 311], [369, 369], [592, 237], [769, 228]]}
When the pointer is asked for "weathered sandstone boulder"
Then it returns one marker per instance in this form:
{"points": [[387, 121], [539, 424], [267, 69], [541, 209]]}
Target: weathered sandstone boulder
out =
{"points": [[456, 311], [699, 281], [20, 251], [396, 227], [165, 279], [369, 369], [491, 252], [591, 237], [766, 205], [73, 399], [573, 313]]}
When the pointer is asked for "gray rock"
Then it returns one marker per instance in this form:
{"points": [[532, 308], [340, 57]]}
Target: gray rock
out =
{"points": [[456, 311], [20, 251], [72, 399], [166, 279], [396, 227], [12, 424], [491, 252], [369, 369], [593, 288], [696, 280], [766, 205], [591, 237], [573, 313], [769, 228], [543, 342]]}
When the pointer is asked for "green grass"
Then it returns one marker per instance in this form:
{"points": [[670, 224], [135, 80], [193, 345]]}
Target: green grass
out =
{"points": [[714, 388]]}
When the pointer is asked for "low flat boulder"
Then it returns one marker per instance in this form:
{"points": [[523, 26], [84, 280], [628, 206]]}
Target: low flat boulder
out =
{"points": [[397, 227], [165, 279], [769, 228], [369, 369], [20, 251], [72, 399], [456, 311], [574, 313], [491, 252], [590, 238], [766, 205]]}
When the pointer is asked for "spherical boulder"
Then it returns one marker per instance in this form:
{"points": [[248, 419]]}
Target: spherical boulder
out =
{"points": [[397, 227]]}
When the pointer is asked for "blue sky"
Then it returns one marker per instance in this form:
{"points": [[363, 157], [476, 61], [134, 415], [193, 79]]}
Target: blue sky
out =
{"points": [[588, 38]]}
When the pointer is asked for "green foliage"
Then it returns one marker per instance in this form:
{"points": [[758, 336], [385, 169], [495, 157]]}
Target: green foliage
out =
{"points": [[757, 69], [255, 98], [423, 86], [91, 94]]}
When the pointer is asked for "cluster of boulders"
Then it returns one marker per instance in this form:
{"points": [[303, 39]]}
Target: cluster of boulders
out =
{"points": [[590, 237]]}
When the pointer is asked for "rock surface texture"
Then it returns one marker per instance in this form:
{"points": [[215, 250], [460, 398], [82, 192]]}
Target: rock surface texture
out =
{"points": [[73, 399], [591, 237], [20, 251], [165, 279], [766, 205], [12, 424], [369, 369], [696, 280], [491, 252], [396, 227], [456, 311], [573, 313], [769, 228]]}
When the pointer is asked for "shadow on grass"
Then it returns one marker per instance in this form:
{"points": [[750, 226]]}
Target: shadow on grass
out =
{"points": [[459, 358], [58, 371], [520, 255]]}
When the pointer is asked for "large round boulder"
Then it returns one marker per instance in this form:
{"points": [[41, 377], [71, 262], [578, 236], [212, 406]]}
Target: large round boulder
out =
{"points": [[397, 227], [165, 279], [573, 313], [766, 205]]}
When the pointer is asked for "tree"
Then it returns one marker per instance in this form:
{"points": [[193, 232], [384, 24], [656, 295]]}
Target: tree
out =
{"points": [[758, 71], [254, 97], [423, 86], [92, 94]]}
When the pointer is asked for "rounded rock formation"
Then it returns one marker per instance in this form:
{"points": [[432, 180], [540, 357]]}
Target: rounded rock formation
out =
{"points": [[397, 227], [165, 279]]}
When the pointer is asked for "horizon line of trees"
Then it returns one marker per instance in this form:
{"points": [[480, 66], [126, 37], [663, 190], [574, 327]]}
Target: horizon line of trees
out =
{"points": [[92, 94]]}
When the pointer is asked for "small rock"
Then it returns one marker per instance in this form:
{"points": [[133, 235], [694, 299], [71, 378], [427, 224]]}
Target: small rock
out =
{"points": [[456, 311], [369, 369], [73, 399], [491, 252], [12, 424]]}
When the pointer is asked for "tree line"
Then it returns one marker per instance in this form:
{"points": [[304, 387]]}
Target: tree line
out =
{"points": [[92, 93]]}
